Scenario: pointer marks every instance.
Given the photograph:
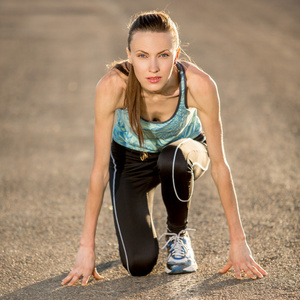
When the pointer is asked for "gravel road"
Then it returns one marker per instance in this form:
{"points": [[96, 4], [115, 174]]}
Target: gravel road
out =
{"points": [[52, 55]]}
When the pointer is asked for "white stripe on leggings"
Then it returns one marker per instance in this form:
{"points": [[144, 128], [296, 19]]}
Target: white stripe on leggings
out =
{"points": [[115, 210]]}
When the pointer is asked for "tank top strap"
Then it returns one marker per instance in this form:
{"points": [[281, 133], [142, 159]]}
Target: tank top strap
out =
{"points": [[182, 85]]}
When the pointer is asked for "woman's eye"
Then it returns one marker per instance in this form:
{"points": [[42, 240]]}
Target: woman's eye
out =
{"points": [[164, 55], [141, 55]]}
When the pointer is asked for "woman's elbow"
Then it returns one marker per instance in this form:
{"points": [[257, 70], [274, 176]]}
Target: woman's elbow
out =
{"points": [[220, 170], [99, 177]]}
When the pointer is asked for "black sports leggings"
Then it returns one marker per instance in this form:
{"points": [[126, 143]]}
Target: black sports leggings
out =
{"points": [[132, 185]]}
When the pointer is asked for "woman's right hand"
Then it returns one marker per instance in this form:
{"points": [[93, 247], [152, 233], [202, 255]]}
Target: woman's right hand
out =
{"points": [[84, 266]]}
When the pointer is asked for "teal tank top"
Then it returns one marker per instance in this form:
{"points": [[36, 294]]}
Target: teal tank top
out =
{"points": [[184, 123]]}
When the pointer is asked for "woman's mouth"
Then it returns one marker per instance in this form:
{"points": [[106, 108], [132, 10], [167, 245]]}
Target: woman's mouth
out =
{"points": [[154, 79]]}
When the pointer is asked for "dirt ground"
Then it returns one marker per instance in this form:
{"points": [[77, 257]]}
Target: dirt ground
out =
{"points": [[52, 55]]}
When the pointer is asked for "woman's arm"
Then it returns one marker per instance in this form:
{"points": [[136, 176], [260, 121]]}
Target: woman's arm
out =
{"points": [[204, 96], [109, 95]]}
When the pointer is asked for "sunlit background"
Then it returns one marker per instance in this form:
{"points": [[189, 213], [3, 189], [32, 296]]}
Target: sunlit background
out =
{"points": [[52, 54]]}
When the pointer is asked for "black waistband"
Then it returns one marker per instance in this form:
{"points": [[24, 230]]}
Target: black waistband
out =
{"points": [[200, 138]]}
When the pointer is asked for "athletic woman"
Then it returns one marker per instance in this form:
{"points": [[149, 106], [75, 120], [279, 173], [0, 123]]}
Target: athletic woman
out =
{"points": [[163, 108]]}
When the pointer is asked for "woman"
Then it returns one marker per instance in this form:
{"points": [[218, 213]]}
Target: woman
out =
{"points": [[157, 139]]}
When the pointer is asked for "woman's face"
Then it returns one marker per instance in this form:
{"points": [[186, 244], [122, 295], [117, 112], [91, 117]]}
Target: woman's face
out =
{"points": [[152, 56]]}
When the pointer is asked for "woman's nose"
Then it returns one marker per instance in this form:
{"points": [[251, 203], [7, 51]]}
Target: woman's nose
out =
{"points": [[153, 68]]}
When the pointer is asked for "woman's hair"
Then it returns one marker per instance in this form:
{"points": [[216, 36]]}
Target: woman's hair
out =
{"points": [[147, 21]]}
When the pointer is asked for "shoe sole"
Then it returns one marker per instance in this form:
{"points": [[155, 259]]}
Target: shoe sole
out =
{"points": [[179, 270]]}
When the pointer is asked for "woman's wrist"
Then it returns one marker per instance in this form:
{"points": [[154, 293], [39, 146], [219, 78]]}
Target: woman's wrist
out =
{"points": [[237, 238], [87, 243]]}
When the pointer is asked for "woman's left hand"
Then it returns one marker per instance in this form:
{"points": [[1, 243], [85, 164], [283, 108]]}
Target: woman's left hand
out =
{"points": [[240, 258]]}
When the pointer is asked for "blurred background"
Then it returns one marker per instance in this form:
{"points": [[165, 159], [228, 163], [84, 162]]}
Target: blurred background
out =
{"points": [[52, 54]]}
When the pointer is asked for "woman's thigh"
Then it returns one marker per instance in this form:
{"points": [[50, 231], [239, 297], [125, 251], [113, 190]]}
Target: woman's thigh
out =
{"points": [[131, 190]]}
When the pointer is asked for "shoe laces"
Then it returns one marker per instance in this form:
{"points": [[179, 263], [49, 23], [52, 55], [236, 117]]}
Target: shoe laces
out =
{"points": [[176, 243]]}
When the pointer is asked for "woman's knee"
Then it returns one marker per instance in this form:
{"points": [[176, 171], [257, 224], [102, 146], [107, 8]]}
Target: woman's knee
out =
{"points": [[141, 257], [169, 158], [141, 266]]}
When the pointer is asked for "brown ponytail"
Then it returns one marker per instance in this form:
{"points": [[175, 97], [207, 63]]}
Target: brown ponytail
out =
{"points": [[133, 99]]}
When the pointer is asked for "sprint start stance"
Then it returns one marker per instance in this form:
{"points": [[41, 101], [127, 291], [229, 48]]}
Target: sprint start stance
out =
{"points": [[168, 130]]}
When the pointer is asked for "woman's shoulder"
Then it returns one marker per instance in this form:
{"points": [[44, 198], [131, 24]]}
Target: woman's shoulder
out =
{"points": [[197, 78], [112, 80], [201, 88], [112, 86]]}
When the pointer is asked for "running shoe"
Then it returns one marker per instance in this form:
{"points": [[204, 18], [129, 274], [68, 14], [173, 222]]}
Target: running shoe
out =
{"points": [[181, 255]]}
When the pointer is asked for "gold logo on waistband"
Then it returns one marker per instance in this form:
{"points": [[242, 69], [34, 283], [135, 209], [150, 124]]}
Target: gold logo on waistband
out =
{"points": [[144, 156]]}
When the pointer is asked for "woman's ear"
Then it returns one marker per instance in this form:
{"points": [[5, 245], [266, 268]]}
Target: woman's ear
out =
{"points": [[129, 55], [177, 55]]}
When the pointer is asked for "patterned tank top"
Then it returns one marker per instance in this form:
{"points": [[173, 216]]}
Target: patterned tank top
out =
{"points": [[184, 123]]}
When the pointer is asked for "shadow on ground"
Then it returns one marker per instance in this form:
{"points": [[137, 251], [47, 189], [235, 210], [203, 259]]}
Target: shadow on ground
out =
{"points": [[127, 286]]}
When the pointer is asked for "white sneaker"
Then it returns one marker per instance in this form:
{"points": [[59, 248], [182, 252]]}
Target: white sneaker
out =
{"points": [[181, 255]]}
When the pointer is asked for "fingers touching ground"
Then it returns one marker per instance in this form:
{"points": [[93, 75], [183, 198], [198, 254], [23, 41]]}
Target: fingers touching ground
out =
{"points": [[70, 279], [226, 268], [257, 269], [66, 279], [73, 277], [96, 275], [252, 269]]}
